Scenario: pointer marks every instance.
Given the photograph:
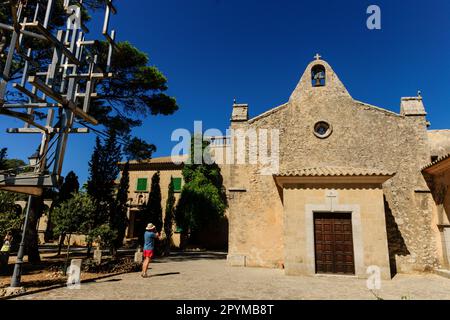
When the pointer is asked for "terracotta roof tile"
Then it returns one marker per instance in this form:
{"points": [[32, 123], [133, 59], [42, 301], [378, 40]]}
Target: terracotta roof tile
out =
{"points": [[334, 171], [439, 160], [161, 160]]}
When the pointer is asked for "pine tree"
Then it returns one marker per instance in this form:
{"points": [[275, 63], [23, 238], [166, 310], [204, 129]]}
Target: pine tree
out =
{"points": [[153, 209], [136, 92], [119, 220], [169, 216]]}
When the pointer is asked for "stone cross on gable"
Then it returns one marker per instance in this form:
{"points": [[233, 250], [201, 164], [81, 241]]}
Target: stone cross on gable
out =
{"points": [[317, 56], [332, 196]]}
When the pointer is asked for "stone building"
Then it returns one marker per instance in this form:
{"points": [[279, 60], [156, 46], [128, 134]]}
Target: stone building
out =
{"points": [[141, 173], [351, 190]]}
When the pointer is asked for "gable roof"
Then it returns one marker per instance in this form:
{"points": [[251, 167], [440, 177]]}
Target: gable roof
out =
{"points": [[438, 166], [161, 160], [334, 86], [268, 113], [161, 163], [375, 108]]}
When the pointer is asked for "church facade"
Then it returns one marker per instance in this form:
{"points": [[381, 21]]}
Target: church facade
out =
{"points": [[356, 188]]}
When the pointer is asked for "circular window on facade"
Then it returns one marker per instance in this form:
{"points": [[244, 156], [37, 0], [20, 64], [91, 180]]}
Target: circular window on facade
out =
{"points": [[322, 129]]}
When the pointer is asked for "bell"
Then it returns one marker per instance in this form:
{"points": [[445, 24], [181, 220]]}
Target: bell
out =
{"points": [[318, 79], [317, 84]]}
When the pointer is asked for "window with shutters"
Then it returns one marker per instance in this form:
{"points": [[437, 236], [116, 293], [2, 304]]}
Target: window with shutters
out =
{"points": [[141, 185], [177, 184]]}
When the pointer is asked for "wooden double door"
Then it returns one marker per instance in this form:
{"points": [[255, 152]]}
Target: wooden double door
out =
{"points": [[334, 252]]}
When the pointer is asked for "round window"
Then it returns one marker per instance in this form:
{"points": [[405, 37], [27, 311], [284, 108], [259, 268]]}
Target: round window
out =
{"points": [[322, 129]]}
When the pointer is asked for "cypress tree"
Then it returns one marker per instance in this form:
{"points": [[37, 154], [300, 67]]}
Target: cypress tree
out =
{"points": [[103, 169], [3, 154], [119, 220], [153, 209], [95, 182], [169, 216], [70, 186]]}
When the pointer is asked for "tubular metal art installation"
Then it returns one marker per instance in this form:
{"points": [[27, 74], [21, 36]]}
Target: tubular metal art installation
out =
{"points": [[64, 88], [54, 95]]}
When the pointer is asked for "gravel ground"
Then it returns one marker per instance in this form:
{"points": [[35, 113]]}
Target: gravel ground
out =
{"points": [[206, 276]]}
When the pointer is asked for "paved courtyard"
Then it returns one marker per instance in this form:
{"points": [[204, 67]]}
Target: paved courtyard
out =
{"points": [[206, 276]]}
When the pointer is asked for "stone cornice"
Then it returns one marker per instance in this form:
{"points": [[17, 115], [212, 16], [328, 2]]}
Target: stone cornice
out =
{"points": [[377, 180]]}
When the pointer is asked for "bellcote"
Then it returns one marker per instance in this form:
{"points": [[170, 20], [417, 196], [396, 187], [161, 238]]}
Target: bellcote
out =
{"points": [[319, 80]]}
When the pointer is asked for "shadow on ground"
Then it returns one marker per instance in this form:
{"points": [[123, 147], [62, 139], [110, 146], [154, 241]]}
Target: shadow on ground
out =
{"points": [[111, 280], [189, 256], [164, 274]]}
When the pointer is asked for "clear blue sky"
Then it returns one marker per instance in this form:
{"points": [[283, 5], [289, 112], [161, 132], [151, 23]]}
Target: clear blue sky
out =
{"points": [[215, 50]]}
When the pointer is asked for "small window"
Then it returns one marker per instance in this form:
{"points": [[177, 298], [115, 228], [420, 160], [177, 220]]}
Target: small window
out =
{"points": [[177, 184], [178, 230], [322, 129], [318, 76], [141, 185]]}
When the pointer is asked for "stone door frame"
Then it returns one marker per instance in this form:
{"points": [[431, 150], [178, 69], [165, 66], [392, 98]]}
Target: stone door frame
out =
{"points": [[445, 239], [331, 206]]}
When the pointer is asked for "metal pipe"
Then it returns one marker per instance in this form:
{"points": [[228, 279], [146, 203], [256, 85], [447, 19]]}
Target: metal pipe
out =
{"points": [[30, 105], [24, 32], [15, 280], [48, 13]]}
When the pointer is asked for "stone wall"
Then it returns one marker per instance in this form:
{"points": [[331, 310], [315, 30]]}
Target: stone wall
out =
{"points": [[165, 176], [441, 193], [138, 199], [439, 142]]}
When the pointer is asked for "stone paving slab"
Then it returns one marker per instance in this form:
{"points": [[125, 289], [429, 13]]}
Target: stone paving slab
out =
{"points": [[207, 277]]}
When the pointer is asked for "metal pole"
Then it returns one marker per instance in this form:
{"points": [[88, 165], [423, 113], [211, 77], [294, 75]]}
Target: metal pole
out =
{"points": [[15, 280]]}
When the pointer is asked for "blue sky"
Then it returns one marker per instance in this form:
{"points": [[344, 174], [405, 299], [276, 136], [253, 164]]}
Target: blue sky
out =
{"points": [[213, 51]]}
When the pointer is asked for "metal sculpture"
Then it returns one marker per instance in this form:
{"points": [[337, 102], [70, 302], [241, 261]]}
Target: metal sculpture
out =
{"points": [[64, 88]]}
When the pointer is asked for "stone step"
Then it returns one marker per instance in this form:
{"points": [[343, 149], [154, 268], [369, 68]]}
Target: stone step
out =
{"points": [[443, 273]]}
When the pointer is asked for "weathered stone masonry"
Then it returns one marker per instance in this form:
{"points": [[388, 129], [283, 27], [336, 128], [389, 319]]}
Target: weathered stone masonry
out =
{"points": [[363, 137]]}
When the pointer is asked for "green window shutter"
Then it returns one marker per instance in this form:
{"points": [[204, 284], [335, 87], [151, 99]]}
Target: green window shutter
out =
{"points": [[178, 230], [177, 184], [142, 184]]}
